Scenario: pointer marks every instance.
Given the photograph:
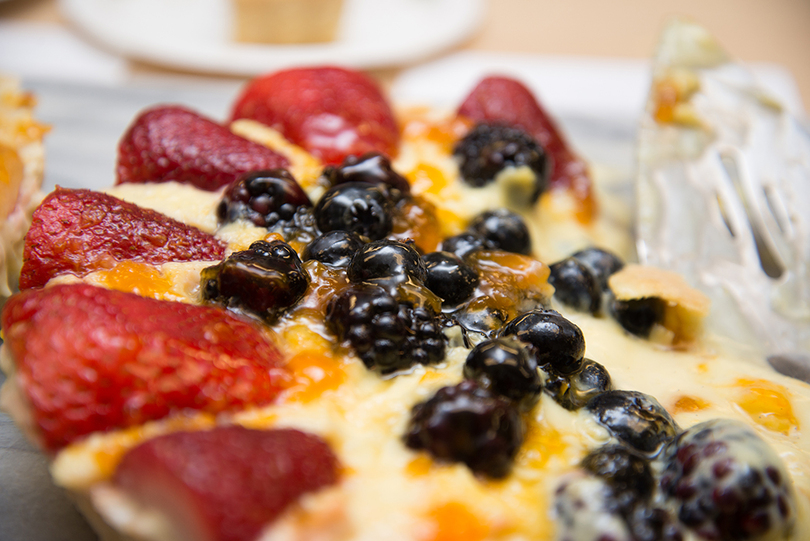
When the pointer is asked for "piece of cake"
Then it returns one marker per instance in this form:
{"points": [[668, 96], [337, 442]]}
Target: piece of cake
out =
{"points": [[286, 21]]}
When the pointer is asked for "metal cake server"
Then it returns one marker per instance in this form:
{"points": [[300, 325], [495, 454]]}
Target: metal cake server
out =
{"points": [[723, 196]]}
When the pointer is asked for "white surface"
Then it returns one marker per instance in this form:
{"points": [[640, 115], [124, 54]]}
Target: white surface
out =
{"points": [[49, 51], [196, 34]]}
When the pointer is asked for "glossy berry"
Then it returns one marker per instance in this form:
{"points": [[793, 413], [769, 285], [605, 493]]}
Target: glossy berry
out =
{"points": [[387, 259], [384, 333], [575, 286], [263, 198], [463, 244], [602, 263], [727, 483], [359, 207], [374, 168], [449, 277], [628, 474], [154, 357], [589, 508], [490, 148], [573, 391], [481, 317], [648, 522], [635, 419], [467, 423], [264, 279], [505, 367], [227, 483], [586, 510], [638, 316], [554, 340], [335, 248], [502, 229]]}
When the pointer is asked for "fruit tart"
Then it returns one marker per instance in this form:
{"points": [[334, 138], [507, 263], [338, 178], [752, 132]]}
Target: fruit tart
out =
{"points": [[327, 319]]}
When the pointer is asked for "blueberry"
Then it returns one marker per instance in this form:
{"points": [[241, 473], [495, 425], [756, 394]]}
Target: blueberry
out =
{"points": [[636, 419], [573, 391], [727, 483], [387, 259], [628, 474], [372, 167], [575, 286], [586, 510], [264, 279], [385, 333], [334, 248], [463, 244], [490, 148], [600, 262], [359, 207], [638, 316], [504, 366], [449, 277], [554, 340], [502, 229], [262, 197], [481, 316], [467, 423]]}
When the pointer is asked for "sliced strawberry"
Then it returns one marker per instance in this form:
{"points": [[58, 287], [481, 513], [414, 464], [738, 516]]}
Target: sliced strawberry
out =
{"points": [[331, 112], [501, 99], [226, 484], [80, 231], [90, 359], [172, 143]]}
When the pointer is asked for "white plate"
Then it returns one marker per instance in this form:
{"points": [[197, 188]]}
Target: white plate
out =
{"points": [[196, 34]]}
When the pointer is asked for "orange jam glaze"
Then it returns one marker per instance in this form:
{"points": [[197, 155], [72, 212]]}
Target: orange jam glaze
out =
{"points": [[768, 405]]}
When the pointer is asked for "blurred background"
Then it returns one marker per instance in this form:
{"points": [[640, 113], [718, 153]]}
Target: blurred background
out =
{"points": [[93, 64], [752, 30]]}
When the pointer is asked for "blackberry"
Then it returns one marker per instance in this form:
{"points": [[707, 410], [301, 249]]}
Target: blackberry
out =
{"points": [[335, 248], [463, 244], [372, 167], [264, 279], [488, 149], [727, 483], [262, 197], [635, 419], [449, 277], [467, 423], [575, 286], [359, 207], [502, 229], [384, 333], [638, 316], [554, 340], [504, 366], [387, 259], [573, 391], [600, 262]]}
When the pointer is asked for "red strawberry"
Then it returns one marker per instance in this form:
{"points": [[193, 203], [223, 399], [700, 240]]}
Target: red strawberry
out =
{"points": [[91, 359], [226, 484], [80, 231], [501, 99], [172, 143], [331, 112]]}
